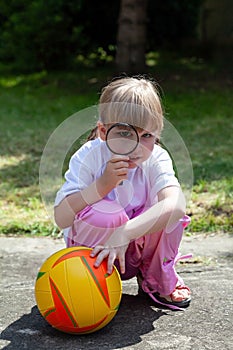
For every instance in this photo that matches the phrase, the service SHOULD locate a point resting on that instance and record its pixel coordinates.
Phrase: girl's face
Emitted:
(144, 149)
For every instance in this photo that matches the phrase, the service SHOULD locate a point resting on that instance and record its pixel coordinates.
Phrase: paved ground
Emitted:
(206, 324)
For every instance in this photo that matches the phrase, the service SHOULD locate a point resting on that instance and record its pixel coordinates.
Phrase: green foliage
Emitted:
(61, 34)
(39, 34)
(98, 57)
(29, 229)
(172, 22)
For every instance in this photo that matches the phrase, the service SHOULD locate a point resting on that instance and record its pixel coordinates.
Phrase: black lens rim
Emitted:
(122, 124)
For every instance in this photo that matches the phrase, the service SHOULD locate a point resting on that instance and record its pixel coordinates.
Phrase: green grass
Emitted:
(31, 107)
(201, 110)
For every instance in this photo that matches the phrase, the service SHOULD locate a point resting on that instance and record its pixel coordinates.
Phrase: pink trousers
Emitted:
(153, 255)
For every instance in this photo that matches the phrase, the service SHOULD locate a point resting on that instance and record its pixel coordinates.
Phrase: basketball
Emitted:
(74, 296)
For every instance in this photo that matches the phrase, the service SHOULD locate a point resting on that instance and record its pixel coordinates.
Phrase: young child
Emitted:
(129, 208)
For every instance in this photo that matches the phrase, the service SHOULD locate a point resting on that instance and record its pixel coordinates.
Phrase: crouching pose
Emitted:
(121, 196)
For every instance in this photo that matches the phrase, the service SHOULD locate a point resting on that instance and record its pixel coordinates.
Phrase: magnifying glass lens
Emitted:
(122, 138)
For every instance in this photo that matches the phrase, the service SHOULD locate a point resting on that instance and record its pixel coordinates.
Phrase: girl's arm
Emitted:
(116, 171)
(164, 214)
(65, 212)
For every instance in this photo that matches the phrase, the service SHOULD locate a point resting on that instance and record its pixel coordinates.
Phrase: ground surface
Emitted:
(206, 324)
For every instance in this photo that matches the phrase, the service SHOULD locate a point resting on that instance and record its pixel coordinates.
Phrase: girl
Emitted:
(128, 207)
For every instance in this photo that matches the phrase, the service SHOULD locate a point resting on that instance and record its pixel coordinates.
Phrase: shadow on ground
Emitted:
(28, 329)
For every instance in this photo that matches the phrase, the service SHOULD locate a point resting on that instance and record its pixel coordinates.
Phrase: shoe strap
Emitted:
(173, 307)
(182, 257)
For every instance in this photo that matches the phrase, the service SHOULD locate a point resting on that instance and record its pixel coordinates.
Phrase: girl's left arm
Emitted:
(162, 215)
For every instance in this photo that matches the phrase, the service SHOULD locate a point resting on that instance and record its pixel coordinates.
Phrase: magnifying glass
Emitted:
(122, 138)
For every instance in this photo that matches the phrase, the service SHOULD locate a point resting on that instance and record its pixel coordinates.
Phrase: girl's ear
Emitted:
(102, 130)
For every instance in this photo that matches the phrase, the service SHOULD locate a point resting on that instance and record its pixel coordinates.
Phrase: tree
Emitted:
(216, 29)
(59, 34)
(131, 36)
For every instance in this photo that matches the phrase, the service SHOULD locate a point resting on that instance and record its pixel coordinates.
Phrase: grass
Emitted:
(197, 101)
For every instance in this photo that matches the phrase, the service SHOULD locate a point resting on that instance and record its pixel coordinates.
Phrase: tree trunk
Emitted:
(131, 37)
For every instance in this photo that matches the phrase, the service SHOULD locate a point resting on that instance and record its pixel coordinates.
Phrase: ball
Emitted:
(74, 296)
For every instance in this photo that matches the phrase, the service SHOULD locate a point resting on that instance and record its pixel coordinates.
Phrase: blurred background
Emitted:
(56, 55)
(60, 34)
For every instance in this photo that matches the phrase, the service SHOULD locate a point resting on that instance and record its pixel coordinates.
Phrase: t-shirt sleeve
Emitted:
(162, 174)
(78, 176)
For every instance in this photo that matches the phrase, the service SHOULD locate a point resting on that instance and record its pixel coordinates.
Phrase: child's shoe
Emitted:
(179, 299)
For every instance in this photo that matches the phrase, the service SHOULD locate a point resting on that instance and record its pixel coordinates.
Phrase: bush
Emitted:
(55, 34)
(39, 34)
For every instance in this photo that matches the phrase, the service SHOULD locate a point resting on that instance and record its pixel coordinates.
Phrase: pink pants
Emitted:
(153, 256)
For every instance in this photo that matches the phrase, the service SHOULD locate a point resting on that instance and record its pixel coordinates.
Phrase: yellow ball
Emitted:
(73, 295)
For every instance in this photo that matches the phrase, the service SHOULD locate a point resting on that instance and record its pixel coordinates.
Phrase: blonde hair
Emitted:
(134, 101)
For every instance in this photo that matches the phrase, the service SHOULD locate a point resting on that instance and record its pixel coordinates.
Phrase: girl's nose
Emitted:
(138, 151)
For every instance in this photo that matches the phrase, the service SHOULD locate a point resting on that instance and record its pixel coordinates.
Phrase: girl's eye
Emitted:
(147, 135)
(125, 133)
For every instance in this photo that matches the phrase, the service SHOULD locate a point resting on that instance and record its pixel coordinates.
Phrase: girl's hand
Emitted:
(116, 171)
(114, 248)
(111, 254)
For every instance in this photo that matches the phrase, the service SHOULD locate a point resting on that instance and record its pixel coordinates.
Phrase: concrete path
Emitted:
(206, 324)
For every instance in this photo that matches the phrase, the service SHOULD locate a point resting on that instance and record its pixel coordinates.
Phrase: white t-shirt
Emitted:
(138, 191)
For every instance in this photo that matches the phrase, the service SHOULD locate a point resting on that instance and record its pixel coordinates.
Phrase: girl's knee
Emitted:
(179, 226)
(105, 213)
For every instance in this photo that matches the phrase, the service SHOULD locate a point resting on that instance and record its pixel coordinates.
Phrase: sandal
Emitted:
(180, 297)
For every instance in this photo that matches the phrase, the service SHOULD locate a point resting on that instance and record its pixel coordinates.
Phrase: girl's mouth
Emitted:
(134, 159)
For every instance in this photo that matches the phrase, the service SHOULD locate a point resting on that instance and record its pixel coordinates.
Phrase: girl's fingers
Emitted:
(116, 158)
(96, 250)
(103, 253)
(122, 262)
(101, 256)
(111, 259)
